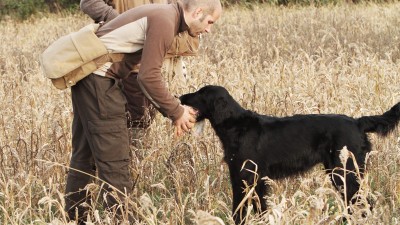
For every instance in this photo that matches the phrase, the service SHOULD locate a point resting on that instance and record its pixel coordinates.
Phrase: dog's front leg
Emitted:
(238, 209)
(245, 184)
(262, 190)
(238, 195)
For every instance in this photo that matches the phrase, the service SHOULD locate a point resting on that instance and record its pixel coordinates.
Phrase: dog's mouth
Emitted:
(199, 116)
(198, 128)
(197, 112)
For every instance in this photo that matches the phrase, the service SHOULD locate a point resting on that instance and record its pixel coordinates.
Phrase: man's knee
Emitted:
(87, 166)
(117, 175)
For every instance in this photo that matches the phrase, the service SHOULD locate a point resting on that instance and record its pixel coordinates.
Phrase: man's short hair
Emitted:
(209, 6)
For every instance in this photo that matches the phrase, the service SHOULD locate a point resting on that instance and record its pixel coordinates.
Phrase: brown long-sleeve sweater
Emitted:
(144, 34)
(98, 10)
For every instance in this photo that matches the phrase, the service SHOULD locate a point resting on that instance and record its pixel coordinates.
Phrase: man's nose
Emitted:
(208, 29)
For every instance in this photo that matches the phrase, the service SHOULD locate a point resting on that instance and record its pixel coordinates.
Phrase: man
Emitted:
(140, 112)
(99, 133)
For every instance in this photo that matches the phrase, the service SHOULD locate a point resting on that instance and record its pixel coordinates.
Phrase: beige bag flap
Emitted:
(71, 78)
(71, 52)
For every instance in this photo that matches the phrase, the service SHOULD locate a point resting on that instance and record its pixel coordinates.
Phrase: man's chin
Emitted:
(193, 34)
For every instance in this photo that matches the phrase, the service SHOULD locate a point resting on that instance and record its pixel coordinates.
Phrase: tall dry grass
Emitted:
(277, 61)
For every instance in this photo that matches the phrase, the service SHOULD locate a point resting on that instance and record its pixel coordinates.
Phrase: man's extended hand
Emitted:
(186, 121)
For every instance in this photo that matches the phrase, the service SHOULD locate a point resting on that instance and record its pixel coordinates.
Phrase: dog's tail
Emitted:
(381, 124)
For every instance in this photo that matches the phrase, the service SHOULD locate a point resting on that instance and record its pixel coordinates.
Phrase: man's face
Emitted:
(203, 23)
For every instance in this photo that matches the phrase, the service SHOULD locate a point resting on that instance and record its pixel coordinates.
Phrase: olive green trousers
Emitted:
(100, 143)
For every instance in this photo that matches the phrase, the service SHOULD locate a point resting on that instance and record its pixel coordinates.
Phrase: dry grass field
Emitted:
(277, 61)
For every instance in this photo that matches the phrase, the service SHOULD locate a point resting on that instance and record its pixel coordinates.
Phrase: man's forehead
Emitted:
(215, 16)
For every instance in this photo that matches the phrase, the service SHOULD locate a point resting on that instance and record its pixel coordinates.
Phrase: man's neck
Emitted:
(183, 23)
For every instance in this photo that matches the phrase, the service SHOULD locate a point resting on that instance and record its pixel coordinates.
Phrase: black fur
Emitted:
(285, 146)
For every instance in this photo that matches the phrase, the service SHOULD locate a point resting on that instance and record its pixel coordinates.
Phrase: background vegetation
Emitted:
(23, 9)
(274, 60)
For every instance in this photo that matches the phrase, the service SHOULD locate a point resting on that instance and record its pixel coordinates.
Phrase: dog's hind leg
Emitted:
(343, 168)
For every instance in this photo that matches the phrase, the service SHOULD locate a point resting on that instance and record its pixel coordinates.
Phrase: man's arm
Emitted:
(154, 88)
(98, 10)
(159, 36)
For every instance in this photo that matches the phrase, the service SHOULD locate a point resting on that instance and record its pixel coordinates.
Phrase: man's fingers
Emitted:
(192, 120)
(190, 125)
(186, 122)
(191, 110)
(185, 127)
(178, 131)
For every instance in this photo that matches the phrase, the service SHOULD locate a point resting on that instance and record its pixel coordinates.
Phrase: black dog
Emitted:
(285, 146)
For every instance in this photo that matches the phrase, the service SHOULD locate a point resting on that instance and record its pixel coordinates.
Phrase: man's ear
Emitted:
(197, 13)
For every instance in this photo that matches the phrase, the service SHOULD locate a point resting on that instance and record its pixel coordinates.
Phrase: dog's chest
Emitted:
(229, 158)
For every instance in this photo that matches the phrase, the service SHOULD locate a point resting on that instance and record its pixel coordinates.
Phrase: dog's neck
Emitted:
(226, 120)
(225, 112)
(230, 131)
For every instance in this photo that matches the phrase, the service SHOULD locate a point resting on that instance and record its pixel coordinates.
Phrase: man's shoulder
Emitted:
(152, 8)
(164, 16)
(158, 11)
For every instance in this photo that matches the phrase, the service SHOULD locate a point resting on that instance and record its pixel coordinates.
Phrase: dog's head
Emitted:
(210, 101)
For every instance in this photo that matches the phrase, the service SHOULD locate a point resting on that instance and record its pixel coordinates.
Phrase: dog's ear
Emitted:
(221, 110)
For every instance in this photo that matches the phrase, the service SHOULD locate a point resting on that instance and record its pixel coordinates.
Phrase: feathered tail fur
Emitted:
(381, 124)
